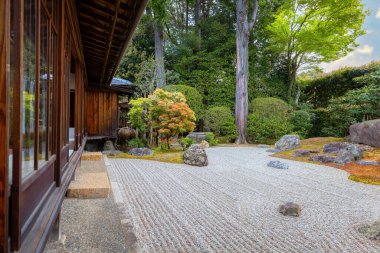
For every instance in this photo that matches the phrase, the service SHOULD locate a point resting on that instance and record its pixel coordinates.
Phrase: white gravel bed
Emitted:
(232, 205)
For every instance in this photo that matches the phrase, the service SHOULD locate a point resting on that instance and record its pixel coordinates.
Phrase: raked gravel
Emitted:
(232, 205)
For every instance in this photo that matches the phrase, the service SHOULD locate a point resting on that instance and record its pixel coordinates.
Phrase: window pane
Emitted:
(44, 79)
(28, 88)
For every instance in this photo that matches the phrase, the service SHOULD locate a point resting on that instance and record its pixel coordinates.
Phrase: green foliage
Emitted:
(186, 142)
(193, 97)
(269, 106)
(221, 122)
(269, 120)
(268, 130)
(139, 113)
(301, 120)
(210, 138)
(321, 90)
(137, 143)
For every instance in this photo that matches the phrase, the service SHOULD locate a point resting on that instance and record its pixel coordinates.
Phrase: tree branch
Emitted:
(254, 15)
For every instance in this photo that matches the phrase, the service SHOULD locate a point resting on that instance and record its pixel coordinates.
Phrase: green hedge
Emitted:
(220, 121)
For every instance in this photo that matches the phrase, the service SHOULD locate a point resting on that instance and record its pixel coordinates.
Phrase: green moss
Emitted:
(365, 179)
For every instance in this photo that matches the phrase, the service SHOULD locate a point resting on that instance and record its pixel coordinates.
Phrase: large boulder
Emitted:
(288, 142)
(367, 132)
(334, 147)
(140, 151)
(195, 156)
(344, 156)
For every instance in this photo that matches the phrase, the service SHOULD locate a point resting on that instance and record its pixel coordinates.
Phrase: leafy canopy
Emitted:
(317, 30)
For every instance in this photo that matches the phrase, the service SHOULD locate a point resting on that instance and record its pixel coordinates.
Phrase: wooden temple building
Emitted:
(57, 60)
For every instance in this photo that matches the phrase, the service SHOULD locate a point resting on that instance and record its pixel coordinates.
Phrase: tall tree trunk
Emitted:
(159, 53)
(197, 19)
(187, 16)
(243, 28)
(292, 73)
(297, 99)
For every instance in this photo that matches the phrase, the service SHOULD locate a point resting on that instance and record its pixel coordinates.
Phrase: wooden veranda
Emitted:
(57, 60)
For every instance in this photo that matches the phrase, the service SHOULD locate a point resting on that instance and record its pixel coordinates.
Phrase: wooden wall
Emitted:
(102, 113)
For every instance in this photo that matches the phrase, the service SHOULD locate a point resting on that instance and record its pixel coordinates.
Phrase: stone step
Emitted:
(91, 181)
(92, 156)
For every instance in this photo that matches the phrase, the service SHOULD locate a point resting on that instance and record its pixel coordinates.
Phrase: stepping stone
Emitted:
(92, 156)
(363, 162)
(278, 165)
(290, 209)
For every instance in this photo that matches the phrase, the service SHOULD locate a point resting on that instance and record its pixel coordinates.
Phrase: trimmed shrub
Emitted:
(220, 121)
(301, 120)
(193, 97)
(269, 106)
(136, 143)
(269, 120)
(267, 130)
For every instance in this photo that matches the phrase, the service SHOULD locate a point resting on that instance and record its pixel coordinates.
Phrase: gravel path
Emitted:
(232, 205)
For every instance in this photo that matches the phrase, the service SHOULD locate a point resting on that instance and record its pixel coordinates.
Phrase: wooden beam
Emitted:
(139, 12)
(117, 8)
(4, 120)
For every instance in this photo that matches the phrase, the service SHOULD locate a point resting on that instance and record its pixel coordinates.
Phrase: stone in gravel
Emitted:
(322, 158)
(278, 165)
(273, 150)
(372, 232)
(140, 151)
(344, 156)
(263, 146)
(205, 144)
(304, 153)
(288, 142)
(290, 209)
(334, 147)
(363, 162)
(195, 156)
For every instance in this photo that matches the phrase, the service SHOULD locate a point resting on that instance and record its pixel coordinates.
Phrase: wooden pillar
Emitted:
(4, 120)
(17, 81)
(58, 117)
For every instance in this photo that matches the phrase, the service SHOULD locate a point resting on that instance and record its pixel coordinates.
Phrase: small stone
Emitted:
(195, 156)
(363, 162)
(273, 150)
(372, 232)
(288, 142)
(140, 151)
(304, 153)
(263, 146)
(205, 144)
(278, 165)
(290, 209)
(322, 158)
